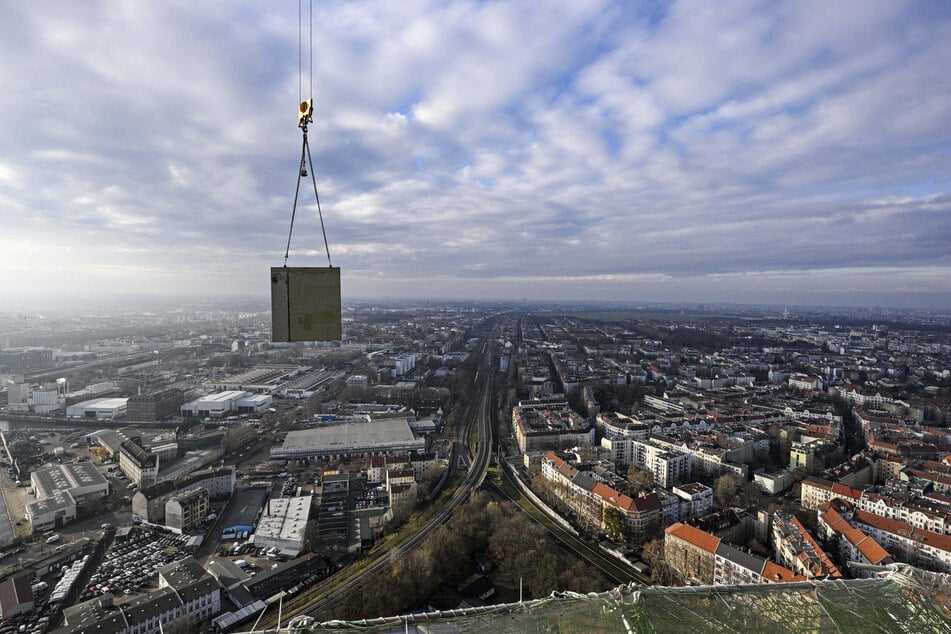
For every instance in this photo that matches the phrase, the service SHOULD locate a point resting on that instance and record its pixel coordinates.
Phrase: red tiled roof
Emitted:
(849, 492)
(700, 539)
(903, 529)
(774, 573)
(866, 545)
(616, 499)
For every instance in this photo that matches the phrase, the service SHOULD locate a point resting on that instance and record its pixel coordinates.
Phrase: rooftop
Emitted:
(374, 432)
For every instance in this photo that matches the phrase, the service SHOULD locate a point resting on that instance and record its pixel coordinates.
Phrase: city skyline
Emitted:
(740, 152)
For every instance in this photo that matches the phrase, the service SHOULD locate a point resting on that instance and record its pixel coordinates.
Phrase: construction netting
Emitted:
(903, 599)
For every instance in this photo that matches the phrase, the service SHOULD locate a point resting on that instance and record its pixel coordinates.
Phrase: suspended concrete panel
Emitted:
(305, 303)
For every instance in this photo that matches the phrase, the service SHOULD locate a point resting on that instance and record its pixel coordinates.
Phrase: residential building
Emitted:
(691, 552)
(702, 558)
(668, 467)
(813, 453)
(734, 526)
(184, 510)
(541, 425)
(401, 485)
(733, 566)
(817, 491)
(795, 548)
(849, 544)
(773, 481)
(697, 500)
(907, 543)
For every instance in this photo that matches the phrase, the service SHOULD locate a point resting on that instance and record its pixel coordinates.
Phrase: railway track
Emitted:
(325, 595)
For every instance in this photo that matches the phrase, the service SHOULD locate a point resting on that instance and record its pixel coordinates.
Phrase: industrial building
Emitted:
(81, 479)
(59, 490)
(155, 406)
(53, 511)
(242, 514)
(111, 440)
(262, 379)
(225, 403)
(99, 409)
(283, 523)
(374, 437)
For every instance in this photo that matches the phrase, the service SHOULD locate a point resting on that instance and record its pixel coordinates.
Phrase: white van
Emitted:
(52, 539)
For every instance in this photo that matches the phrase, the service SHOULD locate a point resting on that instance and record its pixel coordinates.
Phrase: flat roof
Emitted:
(67, 476)
(244, 508)
(385, 431)
(103, 403)
(57, 500)
(228, 395)
(284, 518)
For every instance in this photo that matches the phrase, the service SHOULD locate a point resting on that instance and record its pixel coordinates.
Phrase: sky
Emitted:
(732, 151)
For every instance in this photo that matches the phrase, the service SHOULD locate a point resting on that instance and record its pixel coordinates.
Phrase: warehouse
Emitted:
(81, 479)
(99, 409)
(50, 512)
(283, 523)
(375, 437)
(242, 513)
(225, 403)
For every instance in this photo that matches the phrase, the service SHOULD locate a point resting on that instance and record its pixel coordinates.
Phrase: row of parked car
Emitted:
(32, 622)
(132, 563)
(37, 620)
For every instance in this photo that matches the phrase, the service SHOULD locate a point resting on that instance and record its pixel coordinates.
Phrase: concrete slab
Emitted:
(305, 304)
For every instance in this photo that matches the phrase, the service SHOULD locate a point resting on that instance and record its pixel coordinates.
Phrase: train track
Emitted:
(612, 569)
(333, 589)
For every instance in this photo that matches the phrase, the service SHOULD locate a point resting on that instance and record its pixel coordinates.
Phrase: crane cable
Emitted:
(305, 118)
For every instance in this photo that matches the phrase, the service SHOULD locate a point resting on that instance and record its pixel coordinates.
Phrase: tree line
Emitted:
(482, 532)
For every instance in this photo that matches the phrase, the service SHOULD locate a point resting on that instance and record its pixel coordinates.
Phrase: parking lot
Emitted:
(132, 564)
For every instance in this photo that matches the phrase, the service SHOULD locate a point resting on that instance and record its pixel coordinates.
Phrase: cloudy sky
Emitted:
(794, 152)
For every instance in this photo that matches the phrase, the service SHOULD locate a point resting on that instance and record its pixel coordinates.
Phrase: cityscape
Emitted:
(590, 316)
(177, 467)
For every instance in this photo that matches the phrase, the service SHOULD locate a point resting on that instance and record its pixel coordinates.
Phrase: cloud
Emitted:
(573, 150)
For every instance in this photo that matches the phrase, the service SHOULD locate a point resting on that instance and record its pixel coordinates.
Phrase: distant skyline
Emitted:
(739, 152)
